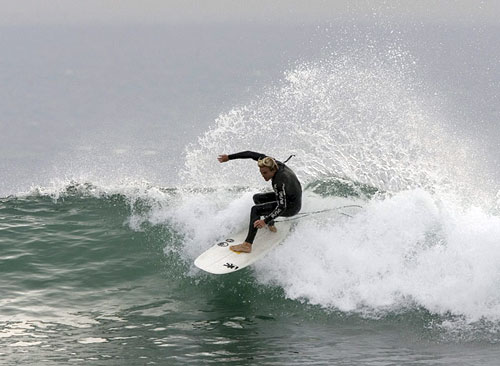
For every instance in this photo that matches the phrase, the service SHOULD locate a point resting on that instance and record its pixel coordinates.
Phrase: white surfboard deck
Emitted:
(219, 259)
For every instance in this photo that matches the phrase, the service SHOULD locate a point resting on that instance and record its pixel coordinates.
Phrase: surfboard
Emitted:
(219, 259)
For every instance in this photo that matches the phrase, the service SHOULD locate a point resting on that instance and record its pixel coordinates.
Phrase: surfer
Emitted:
(286, 200)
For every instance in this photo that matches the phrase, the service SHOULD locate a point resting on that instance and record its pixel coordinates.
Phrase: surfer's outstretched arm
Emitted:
(241, 155)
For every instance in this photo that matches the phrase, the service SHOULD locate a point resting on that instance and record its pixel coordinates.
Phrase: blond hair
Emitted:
(267, 162)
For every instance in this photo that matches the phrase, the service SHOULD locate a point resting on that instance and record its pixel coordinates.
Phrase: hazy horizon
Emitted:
(33, 12)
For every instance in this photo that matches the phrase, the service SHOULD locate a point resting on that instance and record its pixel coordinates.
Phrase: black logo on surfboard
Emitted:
(231, 266)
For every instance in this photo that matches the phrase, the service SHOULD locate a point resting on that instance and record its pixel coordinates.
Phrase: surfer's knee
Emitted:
(253, 211)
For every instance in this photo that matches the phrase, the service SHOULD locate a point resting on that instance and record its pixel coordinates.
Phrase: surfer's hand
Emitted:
(259, 224)
(223, 158)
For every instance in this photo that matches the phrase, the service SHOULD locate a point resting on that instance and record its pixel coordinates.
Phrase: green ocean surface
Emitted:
(82, 285)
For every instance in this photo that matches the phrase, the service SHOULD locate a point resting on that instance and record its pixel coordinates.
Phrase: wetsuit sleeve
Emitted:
(247, 155)
(282, 203)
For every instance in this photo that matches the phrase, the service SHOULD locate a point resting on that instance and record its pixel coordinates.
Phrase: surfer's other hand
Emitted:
(259, 224)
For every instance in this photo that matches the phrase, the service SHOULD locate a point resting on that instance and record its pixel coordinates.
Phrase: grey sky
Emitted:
(34, 12)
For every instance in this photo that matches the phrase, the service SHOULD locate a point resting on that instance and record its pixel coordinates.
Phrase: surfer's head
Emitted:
(268, 167)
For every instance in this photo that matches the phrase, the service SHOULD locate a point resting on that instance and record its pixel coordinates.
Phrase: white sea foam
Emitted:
(410, 249)
(404, 250)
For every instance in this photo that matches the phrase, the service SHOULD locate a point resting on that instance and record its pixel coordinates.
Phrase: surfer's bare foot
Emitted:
(241, 248)
(272, 228)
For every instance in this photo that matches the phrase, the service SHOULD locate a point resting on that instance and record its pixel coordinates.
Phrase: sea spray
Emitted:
(357, 115)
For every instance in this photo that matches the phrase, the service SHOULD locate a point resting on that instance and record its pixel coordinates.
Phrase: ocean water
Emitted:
(110, 188)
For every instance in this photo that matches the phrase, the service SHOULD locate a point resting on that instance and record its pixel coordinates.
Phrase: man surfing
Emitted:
(286, 200)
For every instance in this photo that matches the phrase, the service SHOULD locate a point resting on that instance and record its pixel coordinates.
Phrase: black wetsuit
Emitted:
(286, 200)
